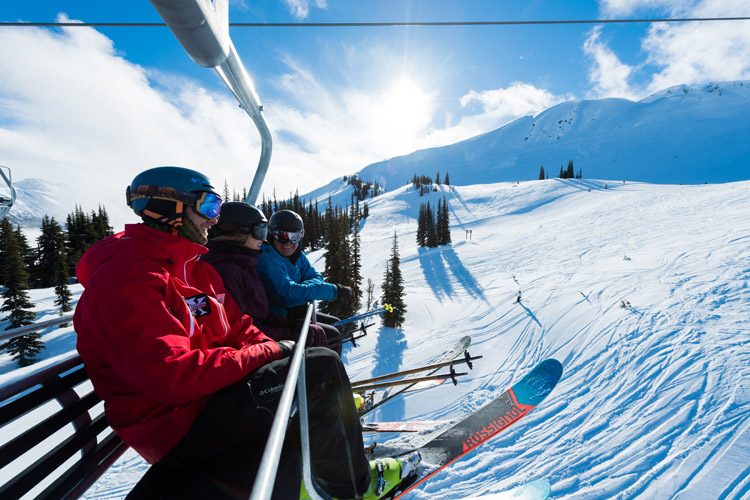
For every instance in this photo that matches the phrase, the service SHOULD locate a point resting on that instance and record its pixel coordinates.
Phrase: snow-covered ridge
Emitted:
(681, 135)
(740, 89)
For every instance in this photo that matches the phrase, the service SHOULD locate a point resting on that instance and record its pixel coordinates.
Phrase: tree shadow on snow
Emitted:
(389, 357)
(462, 274)
(431, 262)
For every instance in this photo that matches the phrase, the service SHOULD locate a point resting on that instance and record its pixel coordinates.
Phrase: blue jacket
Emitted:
(290, 285)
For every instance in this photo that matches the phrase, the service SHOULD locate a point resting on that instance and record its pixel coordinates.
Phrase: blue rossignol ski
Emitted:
(483, 424)
(535, 490)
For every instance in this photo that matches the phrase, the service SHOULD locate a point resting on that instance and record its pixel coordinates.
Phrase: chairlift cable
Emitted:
(407, 24)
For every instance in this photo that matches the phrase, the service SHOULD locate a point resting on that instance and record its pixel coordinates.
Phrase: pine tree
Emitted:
(569, 173)
(437, 178)
(356, 267)
(226, 191)
(443, 223)
(16, 298)
(6, 232)
(50, 248)
(80, 236)
(339, 266)
(100, 223)
(421, 226)
(393, 289)
(446, 181)
(541, 173)
(431, 230)
(52, 243)
(28, 254)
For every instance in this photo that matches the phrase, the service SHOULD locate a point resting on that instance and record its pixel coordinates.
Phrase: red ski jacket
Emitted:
(158, 335)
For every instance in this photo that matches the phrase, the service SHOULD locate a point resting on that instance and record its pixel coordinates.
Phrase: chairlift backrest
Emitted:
(7, 202)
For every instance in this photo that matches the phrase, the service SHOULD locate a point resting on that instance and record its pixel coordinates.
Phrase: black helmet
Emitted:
(240, 218)
(160, 194)
(286, 225)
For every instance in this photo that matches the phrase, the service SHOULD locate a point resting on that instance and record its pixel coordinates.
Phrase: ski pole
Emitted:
(466, 359)
(382, 385)
(364, 315)
(348, 337)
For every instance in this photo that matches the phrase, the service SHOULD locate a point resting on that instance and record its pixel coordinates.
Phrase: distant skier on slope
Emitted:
(288, 276)
(518, 297)
(234, 245)
(188, 381)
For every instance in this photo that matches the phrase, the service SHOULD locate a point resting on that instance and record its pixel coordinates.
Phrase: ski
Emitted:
(485, 423)
(535, 490)
(420, 386)
(405, 426)
(375, 399)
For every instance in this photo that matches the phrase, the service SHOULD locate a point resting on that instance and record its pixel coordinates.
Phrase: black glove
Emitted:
(287, 348)
(345, 294)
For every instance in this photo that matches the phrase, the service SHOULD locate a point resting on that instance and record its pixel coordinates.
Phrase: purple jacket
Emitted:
(236, 266)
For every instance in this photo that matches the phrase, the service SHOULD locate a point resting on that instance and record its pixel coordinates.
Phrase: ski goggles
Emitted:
(207, 204)
(260, 231)
(292, 237)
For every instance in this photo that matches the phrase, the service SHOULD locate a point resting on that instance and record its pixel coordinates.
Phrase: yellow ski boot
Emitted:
(386, 474)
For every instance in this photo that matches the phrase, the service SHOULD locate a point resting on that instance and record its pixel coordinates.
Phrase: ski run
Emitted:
(639, 290)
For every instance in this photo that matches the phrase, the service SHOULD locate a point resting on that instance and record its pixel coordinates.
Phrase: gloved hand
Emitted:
(287, 348)
(316, 336)
(345, 294)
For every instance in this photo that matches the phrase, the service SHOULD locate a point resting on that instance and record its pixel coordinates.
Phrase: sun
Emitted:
(407, 106)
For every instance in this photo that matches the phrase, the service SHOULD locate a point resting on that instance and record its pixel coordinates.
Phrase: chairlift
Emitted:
(7, 203)
(202, 28)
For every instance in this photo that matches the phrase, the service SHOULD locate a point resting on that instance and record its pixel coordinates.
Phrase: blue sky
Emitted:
(76, 102)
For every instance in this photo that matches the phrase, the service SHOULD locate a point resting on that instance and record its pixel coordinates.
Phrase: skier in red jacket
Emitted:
(186, 378)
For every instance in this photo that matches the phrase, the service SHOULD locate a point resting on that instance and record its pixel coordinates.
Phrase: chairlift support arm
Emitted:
(202, 28)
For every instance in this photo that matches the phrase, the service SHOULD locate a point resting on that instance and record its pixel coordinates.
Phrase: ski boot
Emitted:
(387, 476)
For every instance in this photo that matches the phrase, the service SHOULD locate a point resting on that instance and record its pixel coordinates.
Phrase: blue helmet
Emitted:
(161, 193)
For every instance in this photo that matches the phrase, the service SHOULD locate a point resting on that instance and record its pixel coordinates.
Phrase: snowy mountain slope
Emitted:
(36, 198)
(655, 398)
(681, 135)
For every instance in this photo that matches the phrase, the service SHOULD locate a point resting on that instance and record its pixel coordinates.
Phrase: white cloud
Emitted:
(519, 99)
(698, 52)
(74, 112)
(688, 53)
(301, 8)
(607, 73)
(618, 8)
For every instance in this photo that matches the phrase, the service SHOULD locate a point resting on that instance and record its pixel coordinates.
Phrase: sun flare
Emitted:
(407, 106)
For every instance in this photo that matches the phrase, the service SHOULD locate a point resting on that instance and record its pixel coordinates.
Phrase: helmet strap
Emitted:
(167, 223)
